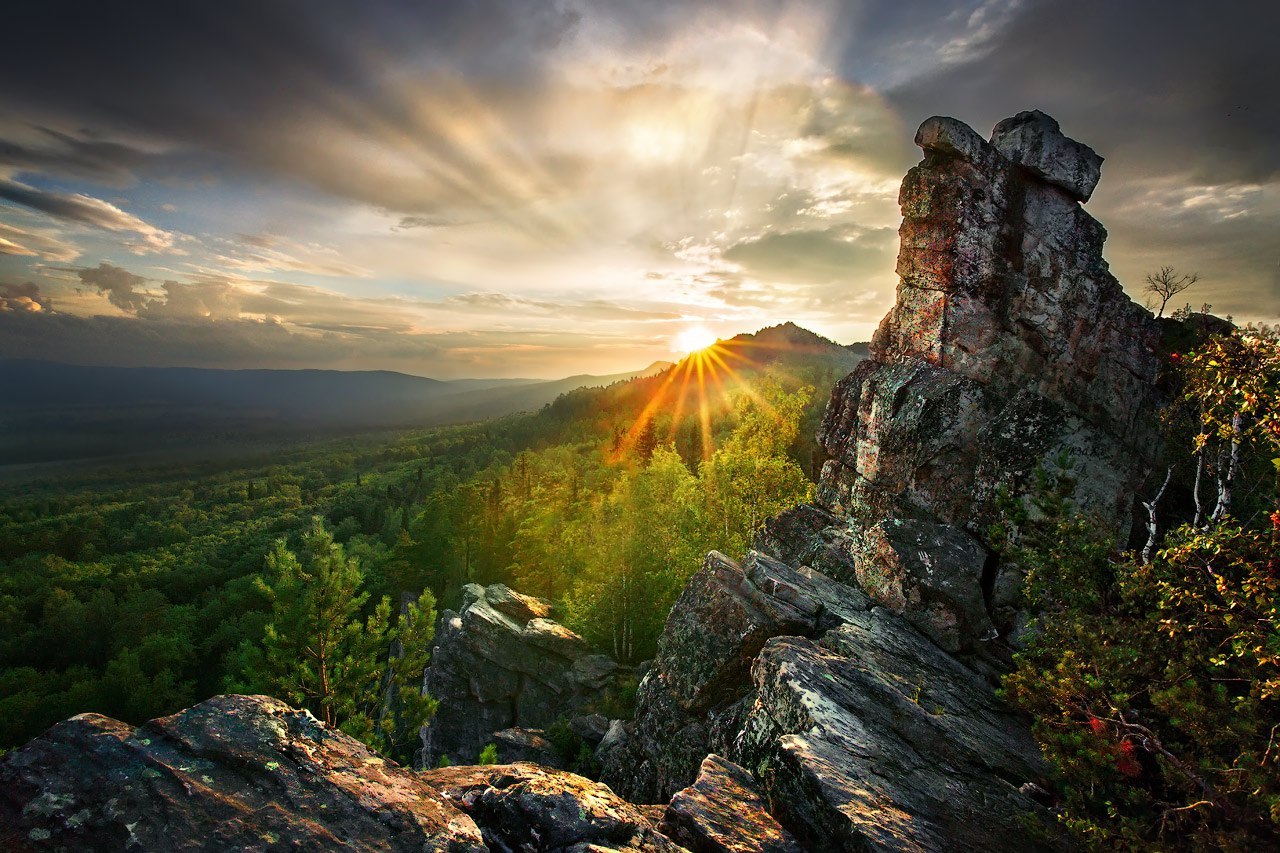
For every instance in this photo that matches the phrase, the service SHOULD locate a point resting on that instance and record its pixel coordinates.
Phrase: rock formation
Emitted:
(250, 773)
(830, 692)
(848, 661)
(232, 773)
(502, 664)
(1010, 345)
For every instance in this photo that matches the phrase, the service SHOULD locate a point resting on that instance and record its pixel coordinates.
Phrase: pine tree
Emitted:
(319, 653)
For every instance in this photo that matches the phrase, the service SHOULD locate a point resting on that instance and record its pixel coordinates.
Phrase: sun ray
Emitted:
(704, 414)
(680, 399)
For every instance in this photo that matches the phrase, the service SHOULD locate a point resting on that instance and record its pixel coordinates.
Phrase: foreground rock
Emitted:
(866, 733)
(527, 807)
(232, 773)
(723, 812)
(871, 739)
(695, 696)
(502, 663)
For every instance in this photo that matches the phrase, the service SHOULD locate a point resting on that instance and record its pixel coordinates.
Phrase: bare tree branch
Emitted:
(1167, 284)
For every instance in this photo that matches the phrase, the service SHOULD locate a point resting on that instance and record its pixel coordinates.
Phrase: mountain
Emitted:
(52, 412)
(495, 402)
(55, 412)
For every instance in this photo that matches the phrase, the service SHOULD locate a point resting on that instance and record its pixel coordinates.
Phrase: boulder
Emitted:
(530, 745)
(695, 697)
(873, 738)
(527, 807)
(590, 728)
(503, 663)
(1035, 141)
(232, 773)
(933, 574)
(723, 812)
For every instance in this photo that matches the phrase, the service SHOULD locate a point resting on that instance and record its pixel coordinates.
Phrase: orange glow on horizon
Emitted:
(697, 384)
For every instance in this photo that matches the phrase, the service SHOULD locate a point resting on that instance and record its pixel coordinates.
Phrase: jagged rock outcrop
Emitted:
(864, 732)
(250, 773)
(873, 624)
(232, 773)
(696, 695)
(502, 663)
(1010, 343)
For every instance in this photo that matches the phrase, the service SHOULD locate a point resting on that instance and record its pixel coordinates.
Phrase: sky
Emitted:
(528, 188)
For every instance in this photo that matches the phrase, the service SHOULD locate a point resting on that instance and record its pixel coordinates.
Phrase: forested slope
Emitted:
(134, 594)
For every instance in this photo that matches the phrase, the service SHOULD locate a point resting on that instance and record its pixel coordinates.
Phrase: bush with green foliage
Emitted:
(1155, 687)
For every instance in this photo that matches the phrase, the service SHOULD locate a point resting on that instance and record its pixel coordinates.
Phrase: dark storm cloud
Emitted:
(229, 76)
(1183, 86)
(99, 160)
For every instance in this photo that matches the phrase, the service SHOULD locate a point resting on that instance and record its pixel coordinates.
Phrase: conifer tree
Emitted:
(320, 651)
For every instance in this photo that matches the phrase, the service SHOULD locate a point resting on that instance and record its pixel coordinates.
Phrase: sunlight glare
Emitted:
(693, 339)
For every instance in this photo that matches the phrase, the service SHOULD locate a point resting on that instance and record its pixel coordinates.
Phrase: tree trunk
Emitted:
(1152, 520)
(1227, 479)
(1195, 491)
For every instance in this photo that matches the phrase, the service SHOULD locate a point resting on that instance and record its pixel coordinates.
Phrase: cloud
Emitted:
(599, 168)
(122, 288)
(269, 253)
(245, 343)
(53, 152)
(840, 255)
(36, 243)
(23, 298)
(77, 207)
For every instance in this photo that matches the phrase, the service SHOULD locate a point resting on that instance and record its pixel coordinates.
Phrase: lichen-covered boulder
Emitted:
(501, 663)
(872, 738)
(933, 574)
(527, 807)
(232, 773)
(723, 812)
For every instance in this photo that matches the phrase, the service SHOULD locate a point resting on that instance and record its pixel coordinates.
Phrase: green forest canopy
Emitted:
(135, 597)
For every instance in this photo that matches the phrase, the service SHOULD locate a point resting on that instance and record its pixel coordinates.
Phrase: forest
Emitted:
(135, 594)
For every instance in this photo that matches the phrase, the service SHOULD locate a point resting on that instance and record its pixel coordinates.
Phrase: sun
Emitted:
(693, 339)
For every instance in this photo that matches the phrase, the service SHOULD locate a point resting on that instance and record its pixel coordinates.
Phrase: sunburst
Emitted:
(693, 339)
(702, 381)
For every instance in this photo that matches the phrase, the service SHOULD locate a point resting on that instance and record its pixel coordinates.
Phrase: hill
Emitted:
(52, 412)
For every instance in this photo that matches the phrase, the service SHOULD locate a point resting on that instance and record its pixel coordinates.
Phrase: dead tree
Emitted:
(1167, 284)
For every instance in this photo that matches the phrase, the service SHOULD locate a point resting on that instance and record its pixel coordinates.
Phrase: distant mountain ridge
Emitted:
(52, 412)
